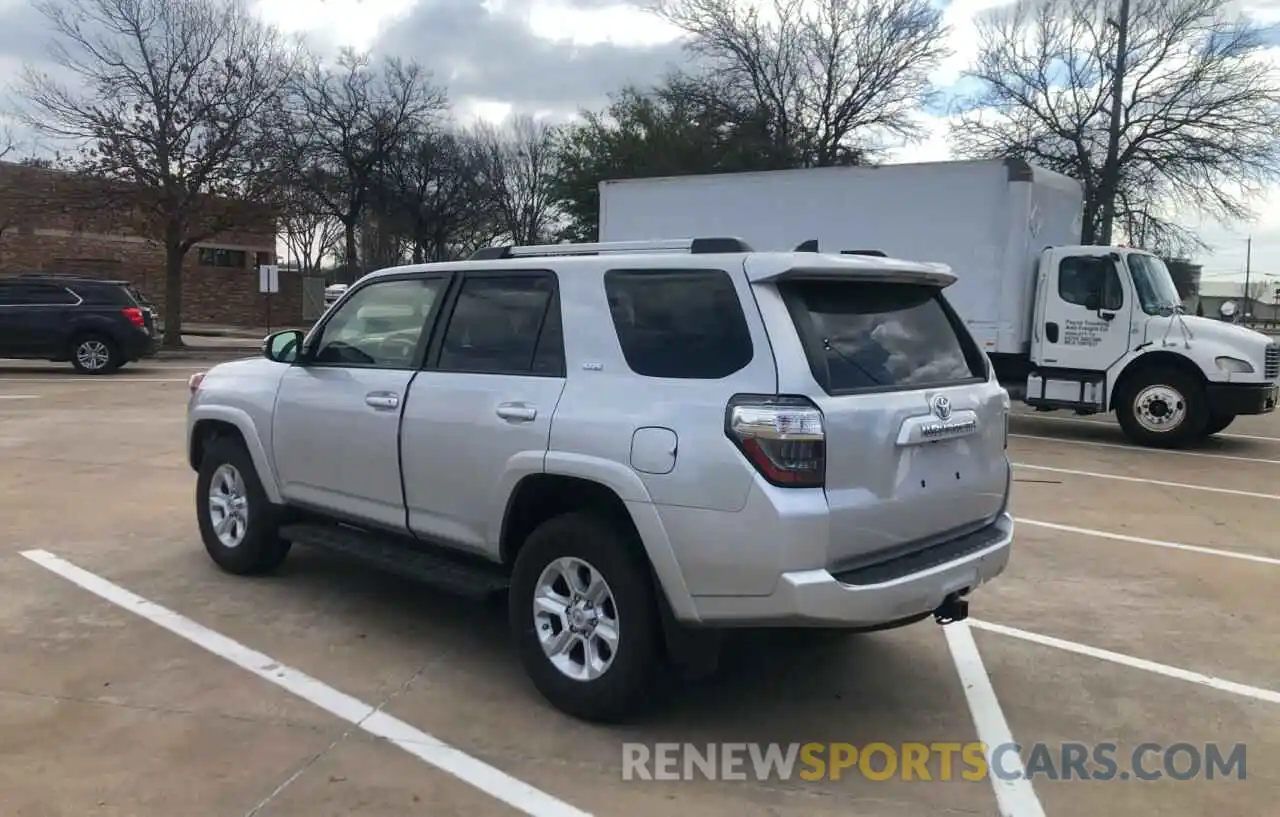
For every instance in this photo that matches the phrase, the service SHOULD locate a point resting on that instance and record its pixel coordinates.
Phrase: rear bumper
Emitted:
(1234, 399)
(903, 589)
(137, 345)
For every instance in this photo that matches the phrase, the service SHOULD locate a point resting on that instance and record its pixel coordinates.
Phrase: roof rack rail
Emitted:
(876, 253)
(695, 246)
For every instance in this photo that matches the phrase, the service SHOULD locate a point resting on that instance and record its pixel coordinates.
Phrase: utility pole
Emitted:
(1248, 300)
(1111, 174)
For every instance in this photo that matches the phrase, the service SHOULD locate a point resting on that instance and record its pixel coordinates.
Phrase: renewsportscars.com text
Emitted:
(931, 761)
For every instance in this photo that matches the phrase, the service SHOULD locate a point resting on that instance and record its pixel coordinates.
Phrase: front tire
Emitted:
(1163, 408)
(1218, 423)
(585, 619)
(95, 354)
(238, 524)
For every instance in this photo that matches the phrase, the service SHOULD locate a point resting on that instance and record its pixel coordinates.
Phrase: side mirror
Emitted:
(1093, 301)
(283, 347)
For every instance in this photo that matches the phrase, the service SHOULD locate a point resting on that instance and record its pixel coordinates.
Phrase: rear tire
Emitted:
(239, 526)
(1163, 408)
(609, 669)
(95, 354)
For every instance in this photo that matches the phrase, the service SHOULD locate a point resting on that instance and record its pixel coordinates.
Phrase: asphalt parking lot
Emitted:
(1142, 606)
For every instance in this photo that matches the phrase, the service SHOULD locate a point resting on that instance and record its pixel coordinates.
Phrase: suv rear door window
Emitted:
(873, 336)
(504, 325)
(679, 323)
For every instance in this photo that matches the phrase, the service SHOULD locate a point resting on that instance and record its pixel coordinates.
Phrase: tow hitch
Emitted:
(952, 609)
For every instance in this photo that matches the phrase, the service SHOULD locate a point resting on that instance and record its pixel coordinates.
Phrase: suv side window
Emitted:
(380, 326)
(28, 294)
(505, 325)
(679, 323)
(1079, 276)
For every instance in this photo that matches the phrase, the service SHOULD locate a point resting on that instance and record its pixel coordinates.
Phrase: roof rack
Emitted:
(812, 246)
(695, 246)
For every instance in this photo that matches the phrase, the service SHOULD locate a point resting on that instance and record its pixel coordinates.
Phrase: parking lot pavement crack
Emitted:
(311, 761)
(158, 710)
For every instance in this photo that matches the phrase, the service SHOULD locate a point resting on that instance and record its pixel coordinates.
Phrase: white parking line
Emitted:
(1160, 543)
(1016, 797)
(1257, 693)
(1087, 421)
(1140, 450)
(19, 396)
(1188, 486)
(425, 747)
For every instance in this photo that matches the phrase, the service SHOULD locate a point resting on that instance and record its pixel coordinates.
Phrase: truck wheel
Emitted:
(1219, 422)
(238, 524)
(1163, 408)
(585, 619)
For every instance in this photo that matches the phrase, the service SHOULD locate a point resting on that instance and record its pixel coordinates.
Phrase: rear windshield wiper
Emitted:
(828, 346)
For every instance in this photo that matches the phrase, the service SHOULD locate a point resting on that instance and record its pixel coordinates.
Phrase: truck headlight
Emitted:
(1234, 365)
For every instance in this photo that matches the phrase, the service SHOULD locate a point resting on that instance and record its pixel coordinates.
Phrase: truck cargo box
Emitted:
(988, 220)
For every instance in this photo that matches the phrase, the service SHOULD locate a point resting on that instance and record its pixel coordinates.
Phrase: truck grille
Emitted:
(1271, 364)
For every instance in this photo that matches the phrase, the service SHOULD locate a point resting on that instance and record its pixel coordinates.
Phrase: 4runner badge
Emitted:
(942, 407)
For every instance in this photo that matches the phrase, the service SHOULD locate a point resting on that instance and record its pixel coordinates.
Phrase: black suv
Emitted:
(96, 325)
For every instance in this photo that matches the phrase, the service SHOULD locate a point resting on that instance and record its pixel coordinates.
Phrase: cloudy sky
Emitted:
(555, 56)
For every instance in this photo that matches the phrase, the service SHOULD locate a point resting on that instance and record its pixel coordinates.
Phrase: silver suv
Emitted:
(639, 444)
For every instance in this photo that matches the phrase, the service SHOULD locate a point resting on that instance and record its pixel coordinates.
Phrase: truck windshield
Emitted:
(1154, 284)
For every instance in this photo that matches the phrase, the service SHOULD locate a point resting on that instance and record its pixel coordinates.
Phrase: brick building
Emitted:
(50, 221)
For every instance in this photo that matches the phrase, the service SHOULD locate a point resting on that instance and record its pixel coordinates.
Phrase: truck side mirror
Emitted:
(1093, 301)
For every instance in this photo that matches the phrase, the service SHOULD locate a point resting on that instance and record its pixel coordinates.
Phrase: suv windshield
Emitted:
(863, 335)
(1154, 284)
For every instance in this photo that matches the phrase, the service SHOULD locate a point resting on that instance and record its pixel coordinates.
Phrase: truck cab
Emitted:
(1109, 333)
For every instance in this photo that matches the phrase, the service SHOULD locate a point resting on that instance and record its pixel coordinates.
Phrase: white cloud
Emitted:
(620, 24)
(960, 16)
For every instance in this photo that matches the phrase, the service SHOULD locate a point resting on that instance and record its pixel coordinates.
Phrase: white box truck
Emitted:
(1089, 329)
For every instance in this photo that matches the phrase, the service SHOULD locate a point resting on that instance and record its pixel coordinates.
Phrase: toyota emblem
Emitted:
(942, 406)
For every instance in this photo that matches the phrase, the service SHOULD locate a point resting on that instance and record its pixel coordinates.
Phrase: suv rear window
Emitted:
(874, 336)
(679, 323)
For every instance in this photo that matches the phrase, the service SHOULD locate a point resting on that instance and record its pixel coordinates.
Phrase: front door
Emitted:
(1084, 315)
(336, 428)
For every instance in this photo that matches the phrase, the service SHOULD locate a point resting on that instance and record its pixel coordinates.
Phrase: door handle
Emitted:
(519, 412)
(382, 399)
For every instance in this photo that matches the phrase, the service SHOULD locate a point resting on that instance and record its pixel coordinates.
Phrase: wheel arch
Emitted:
(615, 491)
(227, 422)
(1151, 361)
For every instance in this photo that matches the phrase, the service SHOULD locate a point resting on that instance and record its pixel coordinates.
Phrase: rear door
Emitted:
(479, 416)
(914, 426)
(34, 317)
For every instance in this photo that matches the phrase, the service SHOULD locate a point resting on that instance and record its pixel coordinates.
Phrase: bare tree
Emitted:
(836, 78)
(173, 106)
(432, 191)
(1198, 120)
(517, 164)
(347, 121)
(309, 233)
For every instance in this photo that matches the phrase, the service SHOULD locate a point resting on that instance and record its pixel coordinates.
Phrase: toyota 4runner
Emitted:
(638, 444)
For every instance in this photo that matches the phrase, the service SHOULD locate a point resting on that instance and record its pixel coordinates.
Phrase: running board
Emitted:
(457, 575)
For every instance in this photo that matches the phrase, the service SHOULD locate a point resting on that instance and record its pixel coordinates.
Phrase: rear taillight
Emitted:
(782, 436)
(134, 315)
(193, 382)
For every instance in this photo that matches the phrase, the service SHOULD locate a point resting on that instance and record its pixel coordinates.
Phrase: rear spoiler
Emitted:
(920, 274)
